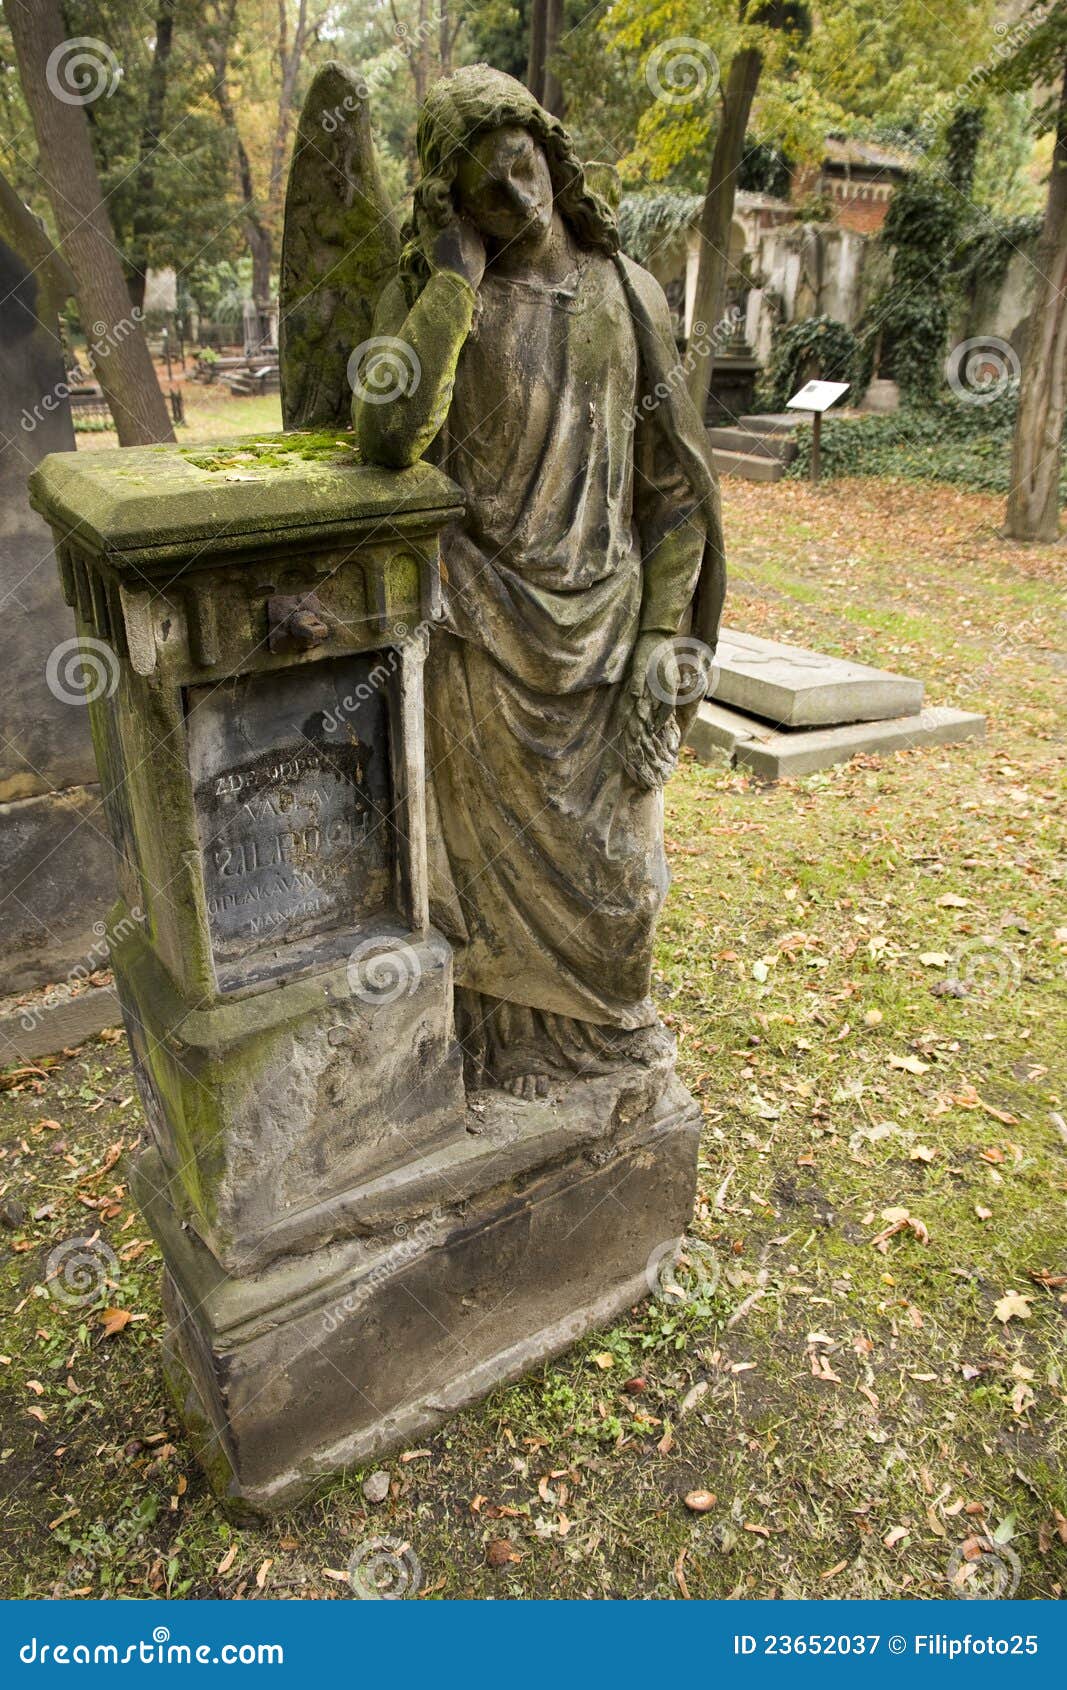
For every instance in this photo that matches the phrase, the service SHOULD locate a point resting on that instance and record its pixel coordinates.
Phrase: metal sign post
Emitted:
(817, 397)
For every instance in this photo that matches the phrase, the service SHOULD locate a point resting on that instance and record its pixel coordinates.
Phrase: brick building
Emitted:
(858, 178)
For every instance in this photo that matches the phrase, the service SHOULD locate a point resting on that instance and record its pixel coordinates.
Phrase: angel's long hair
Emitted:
(457, 110)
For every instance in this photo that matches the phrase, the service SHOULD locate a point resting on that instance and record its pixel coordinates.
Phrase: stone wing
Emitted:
(340, 246)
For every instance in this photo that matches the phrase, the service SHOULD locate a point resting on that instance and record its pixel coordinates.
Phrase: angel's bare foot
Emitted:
(527, 1086)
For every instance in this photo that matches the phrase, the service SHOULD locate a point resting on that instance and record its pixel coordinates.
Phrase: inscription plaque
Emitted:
(291, 773)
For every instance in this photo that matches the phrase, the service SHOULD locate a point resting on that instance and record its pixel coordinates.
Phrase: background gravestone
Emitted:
(55, 857)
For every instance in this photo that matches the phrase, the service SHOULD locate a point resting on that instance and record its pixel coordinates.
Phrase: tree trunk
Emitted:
(290, 59)
(535, 61)
(1033, 501)
(420, 58)
(717, 215)
(141, 222)
(68, 174)
(257, 232)
(546, 27)
(552, 97)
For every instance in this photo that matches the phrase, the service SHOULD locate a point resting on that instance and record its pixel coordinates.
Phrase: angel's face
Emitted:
(504, 186)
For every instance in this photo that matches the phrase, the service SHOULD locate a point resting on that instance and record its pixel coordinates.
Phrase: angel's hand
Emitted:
(654, 672)
(459, 247)
(651, 737)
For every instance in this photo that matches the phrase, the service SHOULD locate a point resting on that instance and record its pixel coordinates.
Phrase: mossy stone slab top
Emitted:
(142, 503)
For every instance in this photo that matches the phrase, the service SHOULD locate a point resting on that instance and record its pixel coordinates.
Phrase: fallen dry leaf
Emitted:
(113, 1320)
(1012, 1306)
(227, 1560)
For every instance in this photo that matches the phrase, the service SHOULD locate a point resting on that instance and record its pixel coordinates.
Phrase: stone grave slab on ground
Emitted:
(797, 688)
(783, 710)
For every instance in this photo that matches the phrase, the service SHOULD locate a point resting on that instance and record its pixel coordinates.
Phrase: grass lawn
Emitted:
(865, 970)
(211, 413)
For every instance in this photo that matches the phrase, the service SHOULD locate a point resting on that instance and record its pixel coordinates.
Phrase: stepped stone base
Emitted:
(774, 755)
(548, 1220)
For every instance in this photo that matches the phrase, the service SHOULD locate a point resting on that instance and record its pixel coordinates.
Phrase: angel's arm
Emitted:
(397, 430)
(671, 524)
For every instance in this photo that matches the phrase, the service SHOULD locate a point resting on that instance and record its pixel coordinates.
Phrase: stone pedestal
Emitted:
(354, 1246)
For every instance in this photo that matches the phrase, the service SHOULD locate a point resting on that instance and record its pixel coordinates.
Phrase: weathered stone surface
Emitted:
(57, 879)
(151, 505)
(55, 1021)
(716, 729)
(793, 687)
(776, 756)
(337, 250)
(802, 753)
(269, 1109)
(335, 1359)
(51, 892)
(293, 801)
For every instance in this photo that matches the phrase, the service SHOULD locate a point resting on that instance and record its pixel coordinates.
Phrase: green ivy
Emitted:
(647, 221)
(819, 346)
(967, 445)
(907, 321)
(986, 250)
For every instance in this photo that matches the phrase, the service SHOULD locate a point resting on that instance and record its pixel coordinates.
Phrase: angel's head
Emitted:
(490, 152)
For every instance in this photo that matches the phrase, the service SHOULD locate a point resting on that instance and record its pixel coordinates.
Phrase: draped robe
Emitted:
(547, 867)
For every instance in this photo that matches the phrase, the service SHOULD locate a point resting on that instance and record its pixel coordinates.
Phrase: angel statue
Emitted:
(518, 348)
